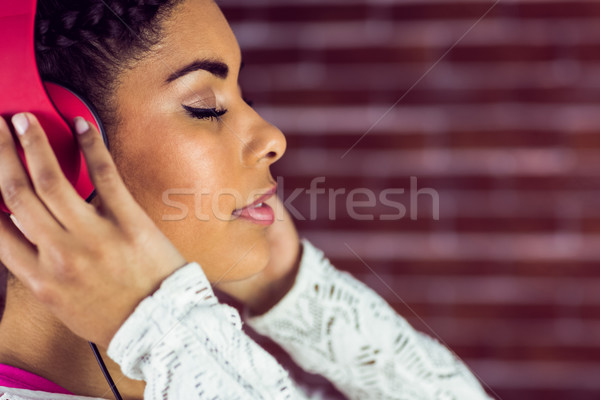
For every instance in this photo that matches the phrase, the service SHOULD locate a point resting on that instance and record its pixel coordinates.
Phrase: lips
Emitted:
(257, 211)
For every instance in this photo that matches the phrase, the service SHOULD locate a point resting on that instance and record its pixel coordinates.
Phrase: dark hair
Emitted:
(84, 44)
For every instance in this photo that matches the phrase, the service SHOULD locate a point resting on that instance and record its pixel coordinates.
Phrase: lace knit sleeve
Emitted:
(187, 345)
(333, 325)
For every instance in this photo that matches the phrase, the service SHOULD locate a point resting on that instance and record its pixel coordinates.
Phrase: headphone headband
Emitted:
(11, 8)
(21, 88)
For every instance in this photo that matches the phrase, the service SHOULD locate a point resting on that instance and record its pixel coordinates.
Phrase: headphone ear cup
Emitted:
(70, 105)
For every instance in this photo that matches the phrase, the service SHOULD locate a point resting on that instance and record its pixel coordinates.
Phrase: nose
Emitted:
(265, 143)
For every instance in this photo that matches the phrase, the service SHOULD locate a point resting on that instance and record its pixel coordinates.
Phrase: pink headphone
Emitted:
(22, 89)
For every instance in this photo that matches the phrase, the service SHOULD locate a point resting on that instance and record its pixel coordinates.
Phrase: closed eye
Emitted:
(205, 113)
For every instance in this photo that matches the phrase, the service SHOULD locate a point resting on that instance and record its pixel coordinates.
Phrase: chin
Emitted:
(238, 265)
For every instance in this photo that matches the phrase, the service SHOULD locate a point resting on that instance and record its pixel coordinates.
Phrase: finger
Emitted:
(49, 182)
(16, 252)
(113, 194)
(17, 193)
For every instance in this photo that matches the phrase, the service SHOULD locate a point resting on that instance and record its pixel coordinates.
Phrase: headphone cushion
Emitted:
(71, 105)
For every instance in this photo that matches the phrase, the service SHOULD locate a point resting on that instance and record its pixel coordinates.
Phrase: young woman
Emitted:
(123, 273)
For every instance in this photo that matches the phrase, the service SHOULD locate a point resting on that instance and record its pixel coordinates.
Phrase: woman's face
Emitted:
(190, 173)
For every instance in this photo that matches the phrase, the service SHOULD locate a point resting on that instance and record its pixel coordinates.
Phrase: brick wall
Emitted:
(503, 126)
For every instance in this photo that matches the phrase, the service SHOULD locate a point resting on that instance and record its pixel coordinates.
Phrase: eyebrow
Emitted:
(215, 67)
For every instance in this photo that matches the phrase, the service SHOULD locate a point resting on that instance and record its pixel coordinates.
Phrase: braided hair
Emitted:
(84, 44)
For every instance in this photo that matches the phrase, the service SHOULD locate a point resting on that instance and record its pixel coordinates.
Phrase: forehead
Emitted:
(196, 29)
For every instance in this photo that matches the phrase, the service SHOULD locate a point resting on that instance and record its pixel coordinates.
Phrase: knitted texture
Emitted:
(335, 326)
(187, 345)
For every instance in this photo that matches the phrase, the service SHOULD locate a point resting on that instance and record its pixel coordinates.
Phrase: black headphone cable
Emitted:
(107, 376)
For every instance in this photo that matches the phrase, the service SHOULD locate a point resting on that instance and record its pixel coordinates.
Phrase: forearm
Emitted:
(186, 345)
(335, 326)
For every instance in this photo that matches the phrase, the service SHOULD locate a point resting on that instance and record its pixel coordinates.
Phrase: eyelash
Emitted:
(210, 113)
(205, 113)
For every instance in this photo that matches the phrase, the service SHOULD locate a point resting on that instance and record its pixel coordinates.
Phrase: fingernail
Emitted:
(81, 125)
(20, 122)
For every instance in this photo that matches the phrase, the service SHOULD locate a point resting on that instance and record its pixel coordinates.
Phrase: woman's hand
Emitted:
(90, 266)
(263, 290)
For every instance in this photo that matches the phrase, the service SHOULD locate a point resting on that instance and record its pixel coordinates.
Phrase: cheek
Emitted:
(190, 188)
(235, 255)
(226, 249)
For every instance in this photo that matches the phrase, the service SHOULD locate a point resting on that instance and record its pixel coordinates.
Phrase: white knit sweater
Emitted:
(187, 345)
